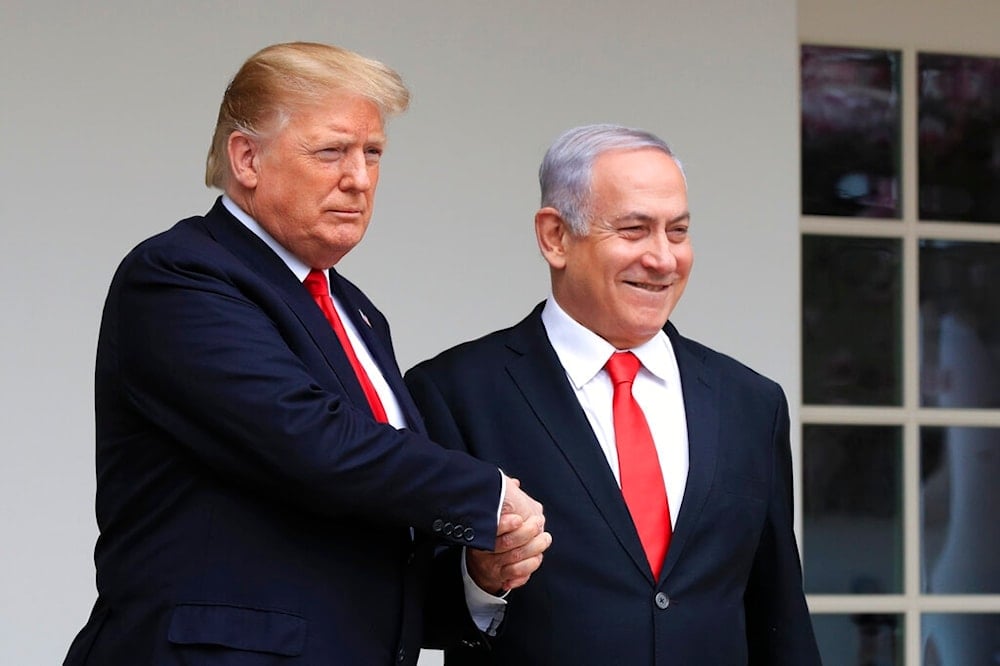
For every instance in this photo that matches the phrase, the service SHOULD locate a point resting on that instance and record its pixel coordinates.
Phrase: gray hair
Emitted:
(566, 171)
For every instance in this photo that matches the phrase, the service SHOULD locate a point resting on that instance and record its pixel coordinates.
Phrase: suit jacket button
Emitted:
(437, 525)
(662, 601)
(401, 657)
(469, 534)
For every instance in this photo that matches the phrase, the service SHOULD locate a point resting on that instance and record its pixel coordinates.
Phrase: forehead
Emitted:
(338, 114)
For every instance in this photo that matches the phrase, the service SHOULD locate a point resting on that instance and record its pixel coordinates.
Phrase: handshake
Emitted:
(521, 540)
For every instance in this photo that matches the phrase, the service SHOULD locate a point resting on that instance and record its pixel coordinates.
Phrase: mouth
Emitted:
(346, 212)
(648, 286)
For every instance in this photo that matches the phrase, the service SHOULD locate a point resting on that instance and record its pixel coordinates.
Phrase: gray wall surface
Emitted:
(105, 120)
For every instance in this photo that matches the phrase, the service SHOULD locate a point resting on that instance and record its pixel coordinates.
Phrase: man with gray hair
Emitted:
(265, 491)
(664, 466)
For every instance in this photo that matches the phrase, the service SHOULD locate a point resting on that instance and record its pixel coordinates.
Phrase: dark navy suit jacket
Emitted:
(730, 592)
(251, 510)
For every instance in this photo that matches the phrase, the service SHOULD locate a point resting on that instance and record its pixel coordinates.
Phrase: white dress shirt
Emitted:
(657, 389)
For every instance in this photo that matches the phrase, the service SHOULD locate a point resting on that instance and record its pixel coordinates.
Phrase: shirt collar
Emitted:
(583, 353)
(296, 265)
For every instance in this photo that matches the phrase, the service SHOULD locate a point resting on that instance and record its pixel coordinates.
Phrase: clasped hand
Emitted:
(521, 540)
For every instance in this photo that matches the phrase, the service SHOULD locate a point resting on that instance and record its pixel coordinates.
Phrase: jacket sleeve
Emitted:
(448, 624)
(779, 629)
(207, 354)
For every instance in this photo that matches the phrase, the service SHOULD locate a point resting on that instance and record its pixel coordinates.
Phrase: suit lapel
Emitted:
(701, 406)
(379, 347)
(242, 242)
(541, 379)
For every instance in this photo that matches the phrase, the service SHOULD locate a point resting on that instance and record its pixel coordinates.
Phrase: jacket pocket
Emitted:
(238, 627)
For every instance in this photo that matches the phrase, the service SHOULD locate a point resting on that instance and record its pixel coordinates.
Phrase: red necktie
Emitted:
(639, 467)
(318, 287)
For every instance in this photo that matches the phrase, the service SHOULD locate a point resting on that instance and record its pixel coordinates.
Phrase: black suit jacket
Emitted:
(730, 591)
(251, 510)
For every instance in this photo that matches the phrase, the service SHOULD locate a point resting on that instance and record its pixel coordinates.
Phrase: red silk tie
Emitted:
(318, 287)
(639, 467)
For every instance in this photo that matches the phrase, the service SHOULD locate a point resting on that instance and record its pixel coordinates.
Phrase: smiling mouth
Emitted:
(646, 286)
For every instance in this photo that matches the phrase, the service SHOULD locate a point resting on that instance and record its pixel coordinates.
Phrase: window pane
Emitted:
(852, 517)
(960, 324)
(960, 639)
(960, 494)
(850, 132)
(851, 320)
(862, 639)
(959, 138)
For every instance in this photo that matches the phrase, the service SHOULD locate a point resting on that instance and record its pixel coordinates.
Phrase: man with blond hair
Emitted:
(265, 492)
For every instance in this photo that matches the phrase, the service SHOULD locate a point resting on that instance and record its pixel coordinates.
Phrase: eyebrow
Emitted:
(639, 216)
(335, 133)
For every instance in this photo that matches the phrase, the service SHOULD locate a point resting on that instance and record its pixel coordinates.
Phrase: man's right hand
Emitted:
(521, 540)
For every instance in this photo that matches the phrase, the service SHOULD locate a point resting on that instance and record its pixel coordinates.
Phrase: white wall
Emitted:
(107, 109)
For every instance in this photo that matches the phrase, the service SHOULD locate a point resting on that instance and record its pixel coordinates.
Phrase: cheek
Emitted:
(686, 262)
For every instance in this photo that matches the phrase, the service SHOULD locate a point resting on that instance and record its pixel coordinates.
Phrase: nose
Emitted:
(355, 176)
(659, 255)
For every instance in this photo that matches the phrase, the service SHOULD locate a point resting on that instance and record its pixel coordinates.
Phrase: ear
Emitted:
(552, 233)
(243, 152)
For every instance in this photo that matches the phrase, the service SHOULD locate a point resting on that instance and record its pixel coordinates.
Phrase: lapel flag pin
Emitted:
(365, 317)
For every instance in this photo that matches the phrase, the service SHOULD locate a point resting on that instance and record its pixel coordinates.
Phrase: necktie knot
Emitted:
(622, 367)
(317, 285)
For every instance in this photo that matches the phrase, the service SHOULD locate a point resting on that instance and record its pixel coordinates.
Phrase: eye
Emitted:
(632, 231)
(678, 234)
(373, 154)
(330, 153)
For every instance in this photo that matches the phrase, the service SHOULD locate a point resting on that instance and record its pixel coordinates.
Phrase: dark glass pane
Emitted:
(960, 324)
(959, 498)
(861, 639)
(959, 138)
(851, 320)
(960, 639)
(850, 132)
(852, 515)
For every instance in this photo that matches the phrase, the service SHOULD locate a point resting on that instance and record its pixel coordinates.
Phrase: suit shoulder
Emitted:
(479, 354)
(484, 346)
(187, 252)
(187, 236)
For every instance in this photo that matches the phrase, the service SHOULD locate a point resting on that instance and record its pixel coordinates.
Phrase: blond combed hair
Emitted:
(279, 78)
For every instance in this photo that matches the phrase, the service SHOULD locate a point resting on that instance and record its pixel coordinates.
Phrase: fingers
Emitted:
(521, 532)
(509, 522)
(519, 502)
(521, 540)
(524, 561)
(519, 554)
(496, 572)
